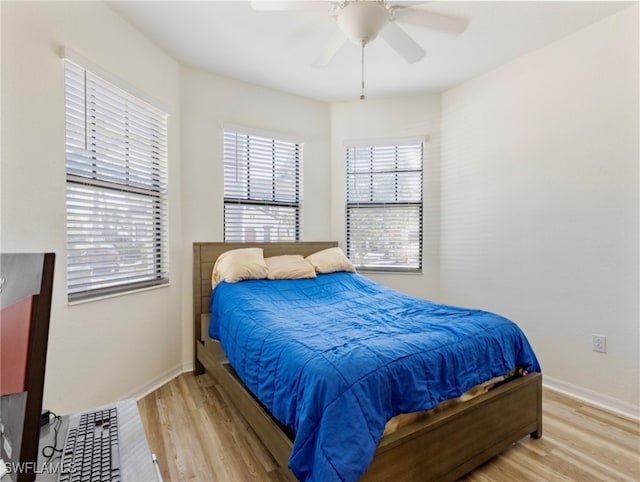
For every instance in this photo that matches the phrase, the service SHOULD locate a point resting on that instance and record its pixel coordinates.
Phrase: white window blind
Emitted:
(384, 206)
(116, 151)
(262, 188)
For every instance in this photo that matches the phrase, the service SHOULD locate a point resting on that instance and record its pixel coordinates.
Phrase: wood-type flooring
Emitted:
(198, 435)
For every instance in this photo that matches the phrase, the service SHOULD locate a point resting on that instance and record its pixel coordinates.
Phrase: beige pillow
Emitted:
(239, 264)
(289, 266)
(330, 260)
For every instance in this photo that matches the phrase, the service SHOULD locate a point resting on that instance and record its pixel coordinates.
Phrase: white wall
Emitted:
(208, 101)
(540, 204)
(102, 350)
(392, 118)
(531, 194)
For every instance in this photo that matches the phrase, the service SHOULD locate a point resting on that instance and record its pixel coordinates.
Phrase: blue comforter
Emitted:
(335, 357)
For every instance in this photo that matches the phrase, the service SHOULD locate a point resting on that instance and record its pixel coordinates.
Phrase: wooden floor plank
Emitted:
(198, 435)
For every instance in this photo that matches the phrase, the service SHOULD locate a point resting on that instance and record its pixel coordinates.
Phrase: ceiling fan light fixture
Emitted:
(362, 21)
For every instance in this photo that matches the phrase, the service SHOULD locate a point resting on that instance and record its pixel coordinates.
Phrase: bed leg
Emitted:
(537, 433)
(198, 368)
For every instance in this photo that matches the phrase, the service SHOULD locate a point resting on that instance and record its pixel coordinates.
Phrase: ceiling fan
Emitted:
(361, 21)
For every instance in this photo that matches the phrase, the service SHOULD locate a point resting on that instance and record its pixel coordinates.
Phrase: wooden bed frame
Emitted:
(442, 447)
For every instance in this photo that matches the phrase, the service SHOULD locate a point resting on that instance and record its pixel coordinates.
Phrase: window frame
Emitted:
(352, 205)
(278, 142)
(109, 178)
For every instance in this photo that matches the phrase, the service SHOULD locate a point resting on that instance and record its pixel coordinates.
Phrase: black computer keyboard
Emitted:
(91, 450)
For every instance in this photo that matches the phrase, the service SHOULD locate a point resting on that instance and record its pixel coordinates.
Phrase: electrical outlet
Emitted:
(600, 343)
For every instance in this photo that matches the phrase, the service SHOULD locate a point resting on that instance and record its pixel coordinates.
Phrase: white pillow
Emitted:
(289, 266)
(239, 264)
(330, 260)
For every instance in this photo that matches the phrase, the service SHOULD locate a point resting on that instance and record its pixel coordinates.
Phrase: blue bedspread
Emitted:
(335, 357)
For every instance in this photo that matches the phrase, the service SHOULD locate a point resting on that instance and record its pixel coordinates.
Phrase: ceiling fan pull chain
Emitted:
(362, 73)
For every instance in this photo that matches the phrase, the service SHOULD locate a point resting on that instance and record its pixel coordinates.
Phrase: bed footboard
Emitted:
(451, 443)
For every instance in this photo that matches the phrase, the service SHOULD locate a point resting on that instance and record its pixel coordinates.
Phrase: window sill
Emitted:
(115, 295)
(389, 271)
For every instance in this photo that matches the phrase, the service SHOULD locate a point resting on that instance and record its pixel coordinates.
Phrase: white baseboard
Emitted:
(187, 367)
(619, 407)
(154, 384)
(164, 378)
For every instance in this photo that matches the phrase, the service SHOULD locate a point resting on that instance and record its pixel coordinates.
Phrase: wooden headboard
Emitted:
(204, 257)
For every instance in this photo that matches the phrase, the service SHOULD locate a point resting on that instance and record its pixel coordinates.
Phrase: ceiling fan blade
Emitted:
(434, 21)
(399, 41)
(337, 40)
(279, 6)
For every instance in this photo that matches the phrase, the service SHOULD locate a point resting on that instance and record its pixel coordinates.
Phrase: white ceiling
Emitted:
(277, 49)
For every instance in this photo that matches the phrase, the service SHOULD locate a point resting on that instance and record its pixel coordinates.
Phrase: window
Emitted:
(116, 191)
(384, 206)
(262, 187)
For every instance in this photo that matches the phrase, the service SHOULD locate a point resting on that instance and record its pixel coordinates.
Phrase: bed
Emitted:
(442, 446)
